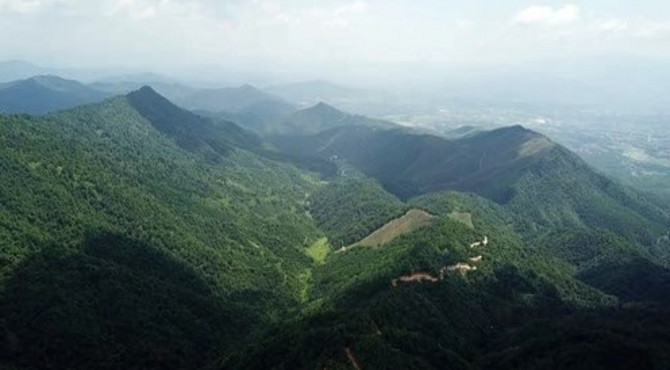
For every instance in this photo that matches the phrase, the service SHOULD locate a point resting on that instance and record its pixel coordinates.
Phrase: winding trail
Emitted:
(462, 267)
(418, 277)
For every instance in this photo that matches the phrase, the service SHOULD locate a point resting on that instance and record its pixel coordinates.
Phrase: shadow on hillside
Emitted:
(116, 303)
(513, 320)
(632, 280)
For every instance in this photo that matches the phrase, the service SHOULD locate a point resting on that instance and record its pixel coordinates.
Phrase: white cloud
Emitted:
(356, 7)
(649, 29)
(20, 6)
(548, 16)
(169, 9)
(612, 25)
(327, 17)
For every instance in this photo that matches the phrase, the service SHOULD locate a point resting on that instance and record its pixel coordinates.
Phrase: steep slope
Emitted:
(120, 249)
(410, 164)
(520, 307)
(43, 94)
(543, 184)
(213, 138)
(347, 210)
(452, 319)
(411, 221)
(136, 234)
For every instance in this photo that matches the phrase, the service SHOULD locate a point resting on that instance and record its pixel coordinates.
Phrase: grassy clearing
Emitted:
(319, 250)
(464, 218)
(410, 221)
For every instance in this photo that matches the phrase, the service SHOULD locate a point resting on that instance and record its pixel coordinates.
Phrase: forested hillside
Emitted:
(136, 234)
(108, 226)
(349, 209)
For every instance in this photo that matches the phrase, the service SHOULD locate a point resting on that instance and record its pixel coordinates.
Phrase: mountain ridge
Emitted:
(45, 93)
(138, 234)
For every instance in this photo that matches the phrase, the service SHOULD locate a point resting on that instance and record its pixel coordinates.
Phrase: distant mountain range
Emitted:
(313, 120)
(12, 70)
(355, 100)
(43, 94)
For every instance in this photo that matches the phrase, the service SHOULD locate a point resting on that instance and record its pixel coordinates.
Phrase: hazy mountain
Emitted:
(42, 94)
(311, 92)
(234, 99)
(610, 83)
(360, 101)
(172, 90)
(321, 117)
(12, 70)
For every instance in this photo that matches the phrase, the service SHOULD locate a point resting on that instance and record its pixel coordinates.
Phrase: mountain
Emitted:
(360, 101)
(245, 99)
(43, 94)
(172, 90)
(311, 92)
(518, 168)
(136, 234)
(410, 164)
(121, 235)
(321, 117)
(12, 70)
(212, 138)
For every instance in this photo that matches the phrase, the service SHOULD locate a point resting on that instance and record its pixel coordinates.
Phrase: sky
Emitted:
(325, 37)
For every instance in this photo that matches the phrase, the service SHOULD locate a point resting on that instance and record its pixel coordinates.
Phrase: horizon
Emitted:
(368, 42)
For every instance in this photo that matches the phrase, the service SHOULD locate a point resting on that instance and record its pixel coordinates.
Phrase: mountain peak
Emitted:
(324, 107)
(46, 77)
(146, 89)
(53, 81)
(146, 94)
(247, 87)
(41, 94)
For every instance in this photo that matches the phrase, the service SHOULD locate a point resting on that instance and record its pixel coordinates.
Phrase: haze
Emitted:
(351, 41)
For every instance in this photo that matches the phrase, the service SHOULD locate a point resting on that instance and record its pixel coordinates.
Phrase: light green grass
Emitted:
(464, 218)
(319, 250)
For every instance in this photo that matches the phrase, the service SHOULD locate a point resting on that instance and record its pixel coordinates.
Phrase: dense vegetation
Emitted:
(135, 234)
(410, 164)
(96, 180)
(347, 210)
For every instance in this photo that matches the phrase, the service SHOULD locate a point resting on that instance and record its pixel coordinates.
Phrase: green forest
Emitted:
(136, 235)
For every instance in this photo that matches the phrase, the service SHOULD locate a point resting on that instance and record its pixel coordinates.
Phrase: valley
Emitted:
(334, 185)
(246, 248)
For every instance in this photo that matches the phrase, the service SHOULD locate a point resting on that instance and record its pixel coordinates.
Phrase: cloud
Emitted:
(167, 9)
(323, 16)
(356, 7)
(548, 16)
(650, 30)
(612, 25)
(20, 6)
